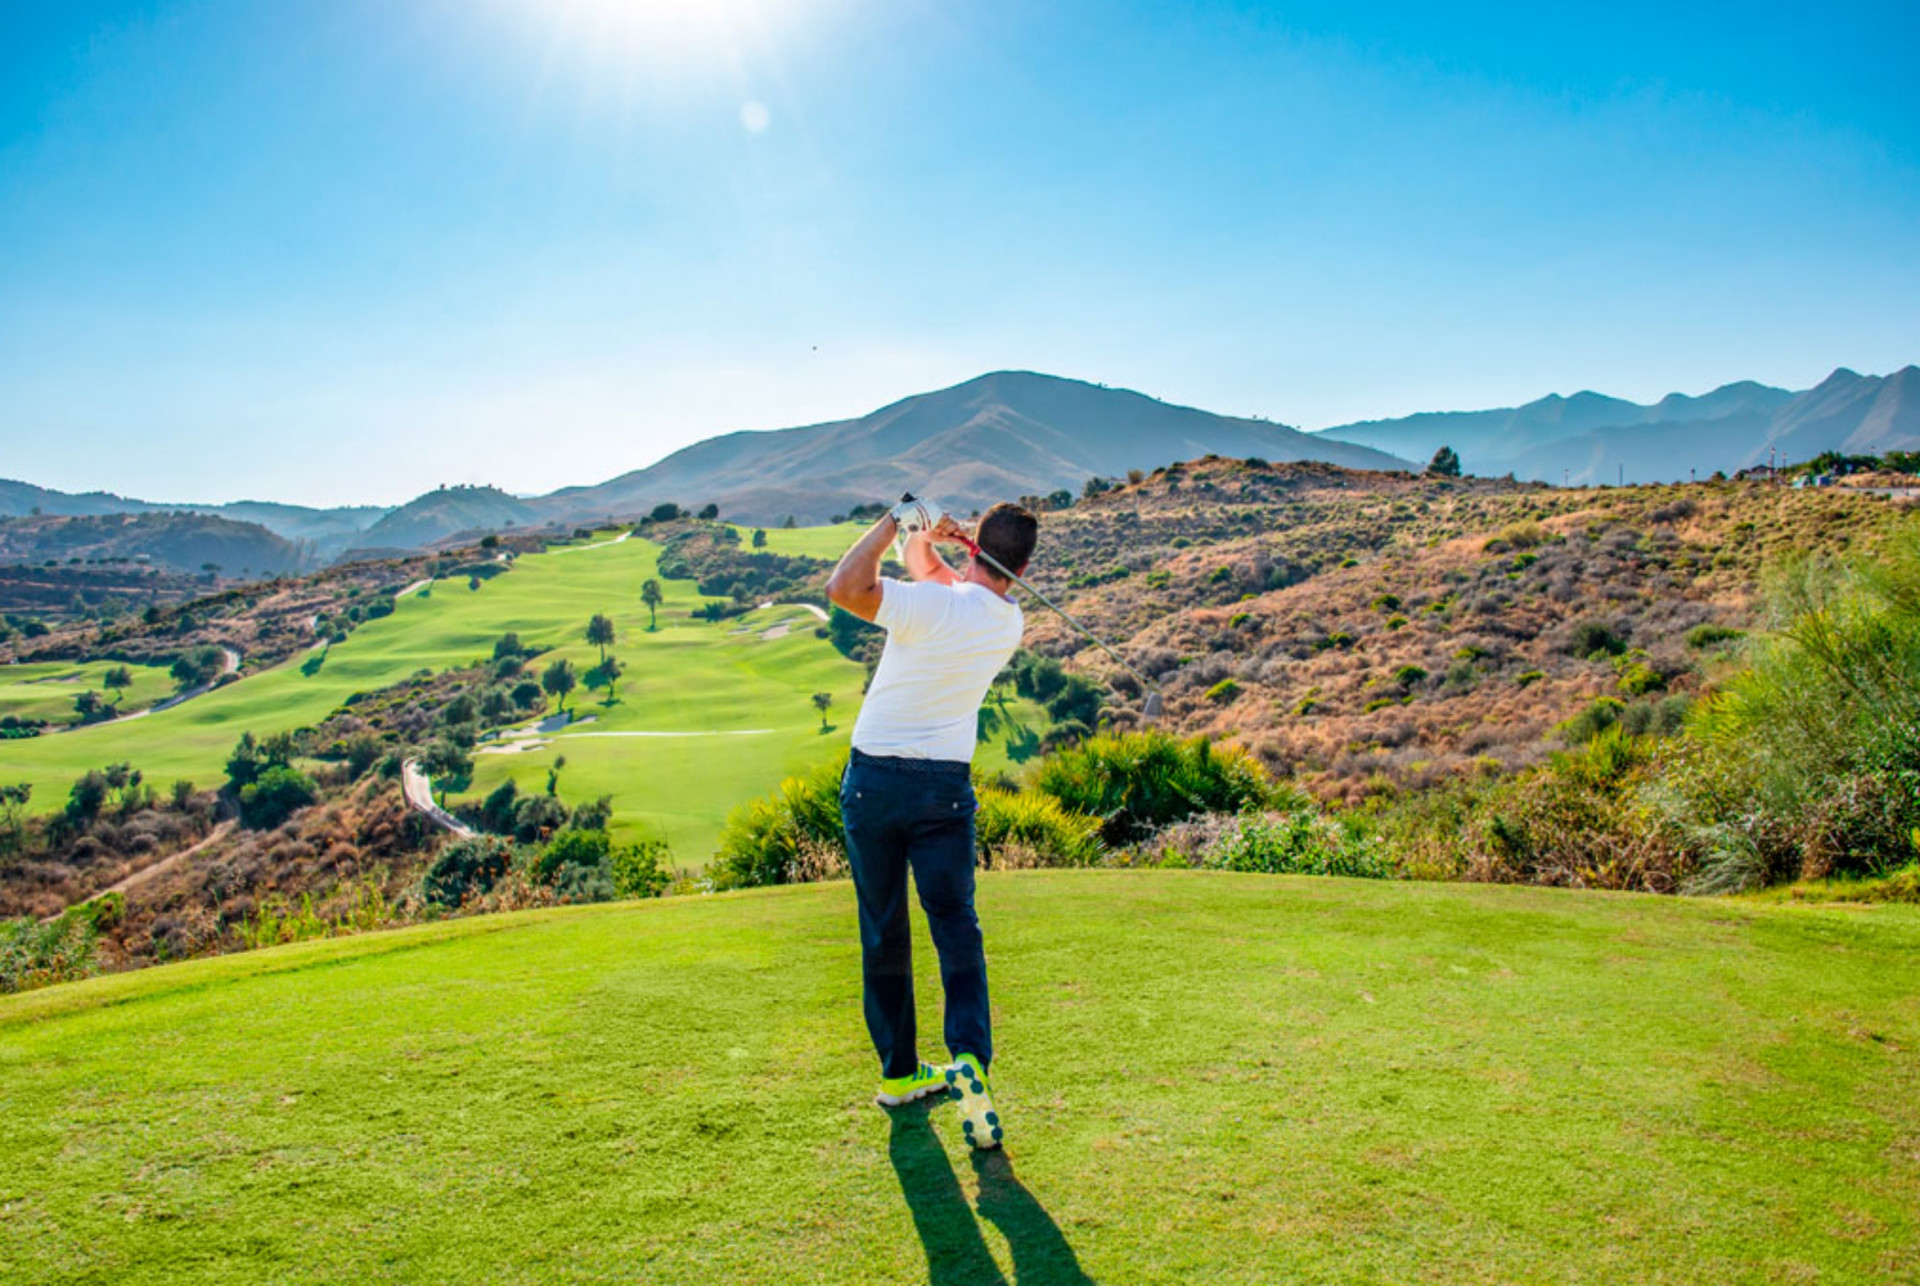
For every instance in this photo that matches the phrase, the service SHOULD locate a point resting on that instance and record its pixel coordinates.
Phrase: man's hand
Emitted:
(948, 531)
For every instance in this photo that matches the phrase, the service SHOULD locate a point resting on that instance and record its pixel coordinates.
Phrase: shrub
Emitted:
(1033, 829)
(1707, 634)
(577, 864)
(1527, 678)
(1601, 714)
(39, 955)
(640, 870)
(1223, 692)
(789, 837)
(1138, 782)
(1408, 675)
(279, 793)
(1594, 639)
(1639, 678)
(1299, 842)
(469, 866)
(1808, 763)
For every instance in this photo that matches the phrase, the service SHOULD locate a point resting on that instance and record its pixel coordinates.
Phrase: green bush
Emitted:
(641, 870)
(1638, 678)
(1595, 640)
(39, 955)
(1223, 692)
(1408, 675)
(278, 793)
(1708, 634)
(1138, 782)
(465, 867)
(1527, 678)
(1807, 764)
(578, 865)
(793, 836)
(1033, 829)
(1601, 713)
(1300, 842)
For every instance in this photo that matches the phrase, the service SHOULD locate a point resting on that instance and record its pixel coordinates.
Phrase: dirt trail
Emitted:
(146, 873)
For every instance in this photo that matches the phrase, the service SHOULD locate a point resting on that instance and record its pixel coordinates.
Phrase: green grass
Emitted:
(827, 542)
(687, 676)
(45, 690)
(1236, 1079)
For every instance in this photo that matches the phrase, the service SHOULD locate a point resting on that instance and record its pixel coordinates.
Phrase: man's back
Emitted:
(945, 644)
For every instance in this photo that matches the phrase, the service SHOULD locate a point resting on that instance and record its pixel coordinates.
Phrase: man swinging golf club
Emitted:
(907, 798)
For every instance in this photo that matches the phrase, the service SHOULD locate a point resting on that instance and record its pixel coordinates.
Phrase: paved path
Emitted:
(581, 549)
(419, 792)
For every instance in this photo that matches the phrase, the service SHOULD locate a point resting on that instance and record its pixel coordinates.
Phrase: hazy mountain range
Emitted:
(1016, 433)
(1591, 438)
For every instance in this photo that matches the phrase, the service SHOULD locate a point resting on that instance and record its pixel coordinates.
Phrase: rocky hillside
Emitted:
(179, 542)
(1375, 632)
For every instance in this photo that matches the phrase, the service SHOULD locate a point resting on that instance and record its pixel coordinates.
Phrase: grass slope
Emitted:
(46, 690)
(1206, 1078)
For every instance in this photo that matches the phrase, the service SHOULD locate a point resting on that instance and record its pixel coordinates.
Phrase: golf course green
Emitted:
(708, 713)
(1242, 1079)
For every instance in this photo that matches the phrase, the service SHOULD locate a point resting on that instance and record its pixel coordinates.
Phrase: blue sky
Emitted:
(347, 250)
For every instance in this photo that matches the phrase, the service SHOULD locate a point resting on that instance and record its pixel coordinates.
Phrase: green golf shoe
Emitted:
(896, 1090)
(978, 1121)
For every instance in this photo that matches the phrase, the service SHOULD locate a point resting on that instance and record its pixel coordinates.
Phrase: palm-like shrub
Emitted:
(788, 837)
(1032, 829)
(1808, 763)
(1137, 782)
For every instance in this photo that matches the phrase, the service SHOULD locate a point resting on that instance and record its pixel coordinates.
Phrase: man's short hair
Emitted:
(1007, 534)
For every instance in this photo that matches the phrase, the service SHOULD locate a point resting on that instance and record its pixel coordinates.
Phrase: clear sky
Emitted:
(345, 250)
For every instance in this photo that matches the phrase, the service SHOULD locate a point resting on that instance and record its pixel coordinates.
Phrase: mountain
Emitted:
(185, 542)
(443, 514)
(1590, 438)
(1002, 435)
(328, 530)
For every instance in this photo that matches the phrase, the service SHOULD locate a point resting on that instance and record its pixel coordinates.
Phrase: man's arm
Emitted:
(855, 583)
(924, 562)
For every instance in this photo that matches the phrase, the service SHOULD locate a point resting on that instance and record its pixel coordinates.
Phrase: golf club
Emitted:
(926, 516)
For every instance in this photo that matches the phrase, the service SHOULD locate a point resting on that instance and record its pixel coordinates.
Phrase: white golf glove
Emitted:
(915, 515)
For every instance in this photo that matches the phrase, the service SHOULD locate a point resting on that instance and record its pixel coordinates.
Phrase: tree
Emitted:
(640, 870)
(553, 774)
(89, 706)
(199, 666)
(13, 802)
(651, 595)
(558, 680)
(507, 647)
(445, 759)
(600, 634)
(789, 524)
(759, 537)
(666, 512)
(280, 792)
(822, 701)
(119, 678)
(1445, 463)
(610, 670)
(710, 513)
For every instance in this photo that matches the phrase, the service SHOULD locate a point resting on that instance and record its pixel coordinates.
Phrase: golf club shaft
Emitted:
(1061, 612)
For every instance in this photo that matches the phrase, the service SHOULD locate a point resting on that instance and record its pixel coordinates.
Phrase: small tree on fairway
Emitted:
(558, 680)
(651, 595)
(822, 701)
(600, 634)
(759, 537)
(119, 678)
(1445, 464)
(610, 671)
(553, 774)
(89, 706)
(443, 759)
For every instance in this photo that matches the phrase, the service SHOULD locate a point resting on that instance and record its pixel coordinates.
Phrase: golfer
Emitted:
(907, 797)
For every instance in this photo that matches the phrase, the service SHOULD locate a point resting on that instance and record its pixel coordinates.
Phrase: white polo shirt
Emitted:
(944, 645)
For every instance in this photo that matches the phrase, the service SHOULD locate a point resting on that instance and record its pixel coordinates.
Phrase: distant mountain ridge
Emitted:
(1590, 438)
(1000, 436)
(328, 531)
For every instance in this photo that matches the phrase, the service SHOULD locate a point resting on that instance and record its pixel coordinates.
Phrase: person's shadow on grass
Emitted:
(956, 1253)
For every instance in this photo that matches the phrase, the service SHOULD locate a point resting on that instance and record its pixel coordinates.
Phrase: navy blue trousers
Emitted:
(915, 815)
